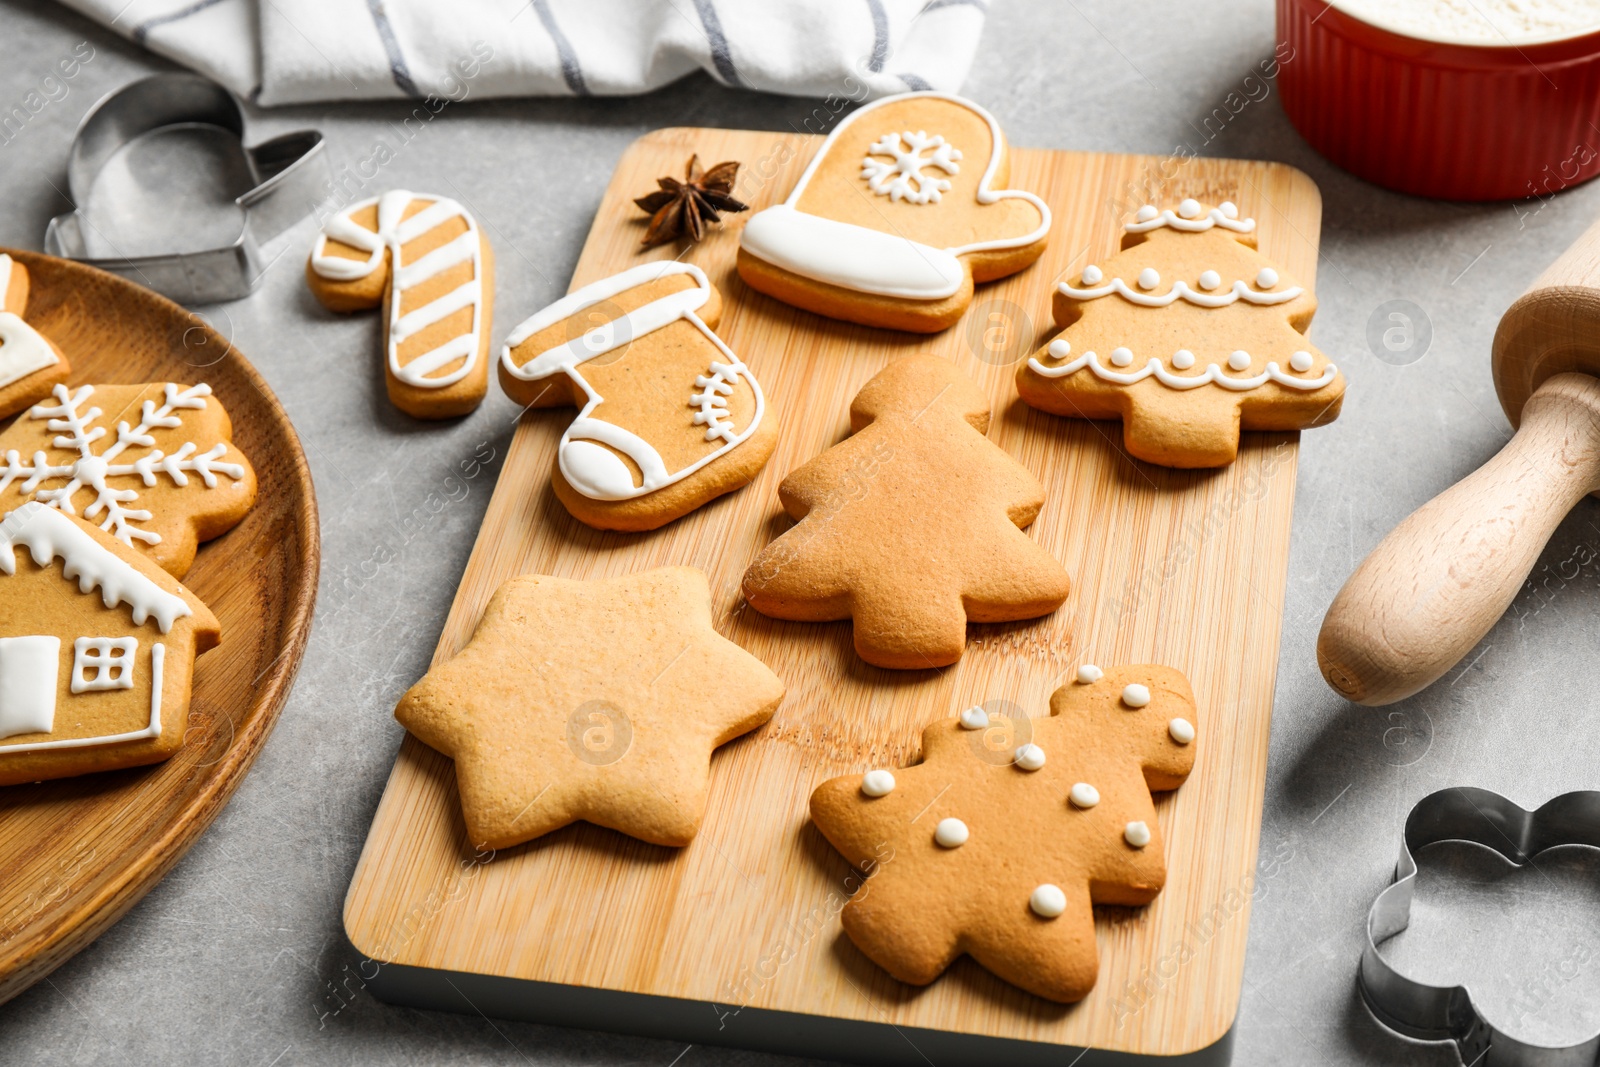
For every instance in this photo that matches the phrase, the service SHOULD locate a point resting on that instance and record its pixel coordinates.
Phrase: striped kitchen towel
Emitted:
(300, 51)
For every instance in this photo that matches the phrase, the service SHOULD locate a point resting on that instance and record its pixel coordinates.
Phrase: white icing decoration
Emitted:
(1239, 359)
(46, 534)
(1136, 834)
(103, 663)
(1149, 219)
(951, 833)
(974, 718)
(393, 233)
(877, 783)
(1089, 673)
(91, 471)
(1189, 208)
(1300, 361)
(1029, 757)
(1135, 695)
(153, 729)
(1047, 901)
(23, 351)
(1182, 730)
(900, 177)
(1092, 275)
(1084, 795)
(1266, 278)
(28, 670)
(594, 471)
(1183, 359)
(1210, 280)
(873, 261)
(1060, 349)
(1180, 291)
(1121, 357)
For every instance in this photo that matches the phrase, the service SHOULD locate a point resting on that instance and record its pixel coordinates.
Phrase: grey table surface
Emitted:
(238, 957)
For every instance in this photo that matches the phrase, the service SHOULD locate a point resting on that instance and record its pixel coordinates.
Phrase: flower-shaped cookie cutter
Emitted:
(1437, 1013)
(290, 171)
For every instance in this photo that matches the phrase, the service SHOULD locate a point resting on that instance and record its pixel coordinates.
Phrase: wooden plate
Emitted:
(76, 854)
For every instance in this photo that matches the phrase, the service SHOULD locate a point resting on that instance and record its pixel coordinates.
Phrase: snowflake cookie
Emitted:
(902, 210)
(1003, 858)
(152, 465)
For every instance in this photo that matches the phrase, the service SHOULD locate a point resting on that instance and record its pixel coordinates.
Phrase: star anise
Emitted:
(685, 208)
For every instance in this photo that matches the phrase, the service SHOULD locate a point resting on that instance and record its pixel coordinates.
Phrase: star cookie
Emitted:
(911, 527)
(599, 701)
(1001, 855)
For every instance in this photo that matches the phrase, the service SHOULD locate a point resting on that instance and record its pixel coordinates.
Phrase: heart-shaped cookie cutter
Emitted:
(1438, 1013)
(290, 171)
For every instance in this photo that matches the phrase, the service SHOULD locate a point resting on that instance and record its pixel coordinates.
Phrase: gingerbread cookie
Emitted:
(153, 465)
(1002, 859)
(912, 527)
(668, 417)
(903, 208)
(30, 364)
(599, 701)
(96, 654)
(424, 259)
(1187, 335)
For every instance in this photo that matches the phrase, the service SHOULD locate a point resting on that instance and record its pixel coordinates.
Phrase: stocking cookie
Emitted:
(668, 417)
(30, 365)
(97, 646)
(902, 210)
(152, 465)
(1002, 859)
(912, 527)
(1188, 335)
(599, 701)
(424, 259)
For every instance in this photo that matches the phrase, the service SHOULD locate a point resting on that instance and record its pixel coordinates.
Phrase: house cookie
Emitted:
(97, 646)
(30, 364)
(1003, 860)
(669, 417)
(903, 208)
(912, 527)
(1187, 335)
(599, 701)
(424, 259)
(153, 465)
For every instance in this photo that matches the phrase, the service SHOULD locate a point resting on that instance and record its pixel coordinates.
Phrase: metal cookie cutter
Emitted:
(1437, 1013)
(290, 174)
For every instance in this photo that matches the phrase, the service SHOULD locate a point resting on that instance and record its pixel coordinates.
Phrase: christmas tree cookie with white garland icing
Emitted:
(1188, 335)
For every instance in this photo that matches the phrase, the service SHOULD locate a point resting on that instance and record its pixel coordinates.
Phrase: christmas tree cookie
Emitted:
(912, 527)
(1187, 335)
(1004, 860)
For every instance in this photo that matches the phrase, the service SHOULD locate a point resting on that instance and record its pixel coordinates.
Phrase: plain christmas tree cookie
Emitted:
(669, 418)
(599, 701)
(427, 263)
(30, 363)
(912, 527)
(1187, 335)
(1002, 859)
(902, 210)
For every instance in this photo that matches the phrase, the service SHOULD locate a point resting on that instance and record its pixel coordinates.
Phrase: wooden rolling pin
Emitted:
(1442, 578)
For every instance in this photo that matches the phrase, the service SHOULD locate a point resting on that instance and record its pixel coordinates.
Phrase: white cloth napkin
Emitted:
(300, 51)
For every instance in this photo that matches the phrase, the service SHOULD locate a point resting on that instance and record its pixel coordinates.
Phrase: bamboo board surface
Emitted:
(1185, 568)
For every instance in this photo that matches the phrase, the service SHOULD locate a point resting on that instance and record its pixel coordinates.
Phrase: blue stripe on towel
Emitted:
(570, 70)
(391, 45)
(721, 56)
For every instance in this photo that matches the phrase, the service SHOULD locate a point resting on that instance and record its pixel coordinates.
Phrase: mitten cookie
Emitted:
(30, 365)
(425, 260)
(1003, 860)
(911, 527)
(902, 210)
(668, 417)
(152, 465)
(1187, 335)
(96, 654)
(599, 701)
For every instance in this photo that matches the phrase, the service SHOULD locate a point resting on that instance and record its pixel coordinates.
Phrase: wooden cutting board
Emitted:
(736, 939)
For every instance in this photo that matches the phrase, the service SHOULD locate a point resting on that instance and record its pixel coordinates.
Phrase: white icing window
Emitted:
(28, 670)
(103, 663)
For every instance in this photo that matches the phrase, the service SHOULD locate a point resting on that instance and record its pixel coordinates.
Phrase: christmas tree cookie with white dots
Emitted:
(1003, 858)
(1187, 335)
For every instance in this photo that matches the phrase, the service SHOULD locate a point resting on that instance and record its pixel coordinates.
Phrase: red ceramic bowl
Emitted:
(1440, 118)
